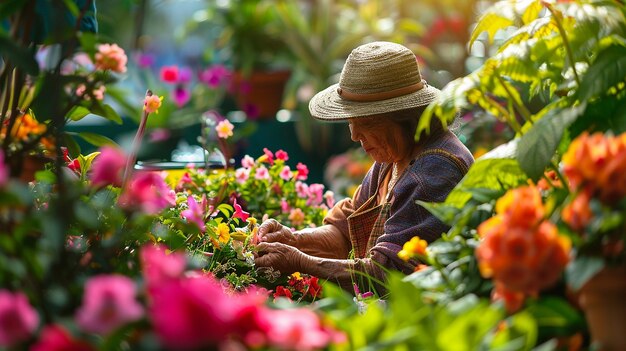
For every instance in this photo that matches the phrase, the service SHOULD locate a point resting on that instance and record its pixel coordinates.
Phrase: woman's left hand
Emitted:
(287, 259)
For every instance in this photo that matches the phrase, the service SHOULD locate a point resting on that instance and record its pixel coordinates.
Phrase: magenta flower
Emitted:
(112, 57)
(303, 171)
(159, 134)
(191, 312)
(215, 76)
(144, 60)
(269, 154)
(247, 162)
(55, 338)
(195, 213)
(262, 173)
(239, 213)
(285, 173)
(108, 167)
(181, 96)
(108, 303)
(157, 266)
(282, 155)
(18, 319)
(169, 74)
(251, 110)
(148, 192)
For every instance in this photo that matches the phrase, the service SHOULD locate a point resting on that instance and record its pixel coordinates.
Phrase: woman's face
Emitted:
(382, 139)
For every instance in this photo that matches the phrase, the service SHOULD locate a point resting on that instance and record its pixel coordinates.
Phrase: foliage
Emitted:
(557, 82)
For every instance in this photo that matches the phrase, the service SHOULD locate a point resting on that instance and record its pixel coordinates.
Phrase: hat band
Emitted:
(383, 95)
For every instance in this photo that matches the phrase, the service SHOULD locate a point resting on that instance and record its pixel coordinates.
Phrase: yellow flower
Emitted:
(296, 275)
(223, 233)
(252, 221)
(412, 248)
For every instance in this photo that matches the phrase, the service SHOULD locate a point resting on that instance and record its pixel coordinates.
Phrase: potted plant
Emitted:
(250, 42)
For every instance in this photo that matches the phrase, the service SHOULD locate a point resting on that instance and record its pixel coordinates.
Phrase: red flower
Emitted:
(282, 291)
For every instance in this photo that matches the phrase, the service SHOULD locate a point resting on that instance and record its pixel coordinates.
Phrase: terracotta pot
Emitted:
(603, 298)
(31, 165)
(264, 90)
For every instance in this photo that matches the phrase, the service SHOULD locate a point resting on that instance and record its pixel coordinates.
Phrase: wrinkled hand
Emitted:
(272, 231)
(287, 259)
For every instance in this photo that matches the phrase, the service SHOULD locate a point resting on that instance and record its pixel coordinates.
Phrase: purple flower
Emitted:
(4, 170)
(181, 96)
(214, 76)
(108, 303)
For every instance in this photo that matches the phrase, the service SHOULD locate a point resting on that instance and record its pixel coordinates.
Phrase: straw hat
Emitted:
(378, 77)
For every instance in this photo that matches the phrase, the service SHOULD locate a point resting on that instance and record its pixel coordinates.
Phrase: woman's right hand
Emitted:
(272, 231)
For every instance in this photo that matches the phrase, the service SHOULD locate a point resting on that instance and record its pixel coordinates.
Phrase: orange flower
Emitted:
(521, 206)
(543, 183)
(577, 214)
(521, 257)
(513, 300)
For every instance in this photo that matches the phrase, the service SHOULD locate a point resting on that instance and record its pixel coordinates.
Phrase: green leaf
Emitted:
(537, 147)
(72, 146)
(496, 170)
(496, 19)
(77, 113)
(555, 317)
(578, 272)
(9, 7)
(106, 111)
(96, 139)
(608, 69)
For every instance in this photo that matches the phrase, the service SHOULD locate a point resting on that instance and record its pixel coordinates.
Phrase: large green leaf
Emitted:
(77, 113)
(496, 170)
(608, 69)
(555, 317)
(537, 147)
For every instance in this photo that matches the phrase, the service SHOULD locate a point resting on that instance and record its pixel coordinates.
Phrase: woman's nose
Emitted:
(354, 133)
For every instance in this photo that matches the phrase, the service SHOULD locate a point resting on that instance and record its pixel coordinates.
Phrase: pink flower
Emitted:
(262, 173)
(284, 206)
(285, 173)
(239, 213)
(55, 338)
(158, 266)
(247, 161)
(297, 329)
(269, 154)
(4, 170)
(159, 134)
(184, 75)
(98, 92)
(148, 192)
(181, 96)
(241, 175)
(224, 129)
(303, 171)
(329, 196)
(108, 166)
(108, 303)
(169, 74)
(18, 319)
(152, 103)
(315, 194)
(195, 213)
(191, 312)
(111, 56)
(302, 189)
(144, 60)
(282, 155)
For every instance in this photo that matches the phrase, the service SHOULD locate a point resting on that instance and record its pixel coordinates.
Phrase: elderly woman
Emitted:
(381, 95)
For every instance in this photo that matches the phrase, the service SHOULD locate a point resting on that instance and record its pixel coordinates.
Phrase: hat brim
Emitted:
(327, 105)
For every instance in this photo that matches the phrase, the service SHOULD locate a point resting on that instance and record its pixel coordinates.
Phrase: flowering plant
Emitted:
(267, 187)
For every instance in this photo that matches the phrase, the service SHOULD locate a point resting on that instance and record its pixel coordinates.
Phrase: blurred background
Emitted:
(258, 62)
